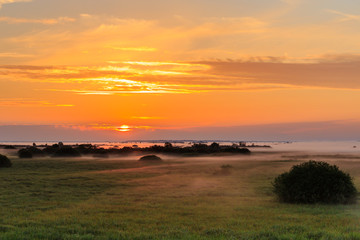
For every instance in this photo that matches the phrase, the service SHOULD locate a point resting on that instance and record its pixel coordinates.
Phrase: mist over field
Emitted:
(183, 197)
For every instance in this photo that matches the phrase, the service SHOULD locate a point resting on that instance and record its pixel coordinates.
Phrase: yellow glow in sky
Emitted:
(159, 67)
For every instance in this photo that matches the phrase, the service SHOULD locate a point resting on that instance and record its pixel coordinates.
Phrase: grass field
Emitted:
(180, 198)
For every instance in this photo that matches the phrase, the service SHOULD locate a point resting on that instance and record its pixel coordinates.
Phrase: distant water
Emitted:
(324, 146)
(313, 146)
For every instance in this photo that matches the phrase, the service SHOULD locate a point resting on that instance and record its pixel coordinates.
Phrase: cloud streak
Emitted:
(2, 2)
(14, 55)
(22, 102)
(344, 17)
(329, 72)
(49, 21)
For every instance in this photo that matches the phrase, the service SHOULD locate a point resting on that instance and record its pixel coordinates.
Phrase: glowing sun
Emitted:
(124, 128)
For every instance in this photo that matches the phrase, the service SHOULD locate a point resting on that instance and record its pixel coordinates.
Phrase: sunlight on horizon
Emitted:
(159, 68)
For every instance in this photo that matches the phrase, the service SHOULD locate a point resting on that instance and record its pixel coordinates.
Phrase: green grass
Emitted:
(177, 199)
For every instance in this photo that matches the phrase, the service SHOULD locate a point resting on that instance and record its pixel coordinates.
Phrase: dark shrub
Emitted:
(150, 158)
(315, 182)
(67, 151)
(35, 151)
(25, 153)
(215, 146)
(9, 147)
(5, 161)
(101, 153)
(50, 150)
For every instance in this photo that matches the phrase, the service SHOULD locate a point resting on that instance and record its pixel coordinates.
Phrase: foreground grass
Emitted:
(177, 199)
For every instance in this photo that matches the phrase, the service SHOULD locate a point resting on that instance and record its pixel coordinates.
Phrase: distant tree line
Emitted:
(61, 150)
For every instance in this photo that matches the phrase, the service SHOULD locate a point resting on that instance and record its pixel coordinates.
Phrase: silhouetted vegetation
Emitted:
(36, 152)
(9, 147)
(67, 151)
(50, 150)
(5, 162)
(315, 182)
(168, 148)
(101, 153)
(61, 150)
(196, 148)
(25, 153)
(215, 146)
(150, 158)
(30, 152)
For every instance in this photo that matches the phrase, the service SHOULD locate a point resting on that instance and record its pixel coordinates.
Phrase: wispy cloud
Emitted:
(146, 118)
(15, 55)
(136, 49)
(23, 102)
(120, 128)
(48, 21)
(344, 17)
(259, 74)
(119, 39)
(2, 2)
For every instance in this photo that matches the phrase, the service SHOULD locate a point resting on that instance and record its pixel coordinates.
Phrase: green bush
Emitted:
(315, 182)
(5, 161)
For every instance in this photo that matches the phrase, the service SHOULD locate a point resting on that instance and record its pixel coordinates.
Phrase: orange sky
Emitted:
(180, 65)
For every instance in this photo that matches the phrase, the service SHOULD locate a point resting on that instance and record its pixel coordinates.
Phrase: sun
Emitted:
(124, 128)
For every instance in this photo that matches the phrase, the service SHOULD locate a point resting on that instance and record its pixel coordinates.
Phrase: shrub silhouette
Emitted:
(25, 153)
(35, 151)
(215, 146)
(66, 151)
(9, 147)
(49, 150)
(315, 182)
(5, 161)
(150, 158)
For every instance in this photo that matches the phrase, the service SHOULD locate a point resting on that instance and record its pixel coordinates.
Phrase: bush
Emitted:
(25, 153)
(67, 151)
(315, 182)
(50, 150)
(150, 158)
(9, 147)
(35, 151)
(5, 161)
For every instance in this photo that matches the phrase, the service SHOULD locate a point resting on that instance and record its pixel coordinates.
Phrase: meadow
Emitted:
(212, 197)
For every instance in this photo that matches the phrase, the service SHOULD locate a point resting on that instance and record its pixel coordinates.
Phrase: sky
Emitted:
(115, 70)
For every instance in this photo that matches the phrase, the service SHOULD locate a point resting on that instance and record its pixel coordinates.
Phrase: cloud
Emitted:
(2, 2)
(136, 49)
(146, 118)
(254, 74)
(102, 39)
(337, 75)
(344, 17)
(292, 2)
(95, 40)
(85, 15)
(22, 102)
(49, 21)
(166, 78)
(14, 55)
